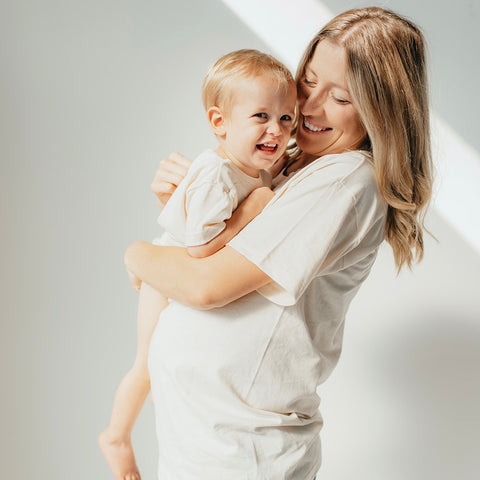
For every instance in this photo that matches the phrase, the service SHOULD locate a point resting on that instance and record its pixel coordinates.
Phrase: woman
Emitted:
(255, 328)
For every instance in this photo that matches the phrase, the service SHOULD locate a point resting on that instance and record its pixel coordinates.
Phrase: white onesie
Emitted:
(206, 197)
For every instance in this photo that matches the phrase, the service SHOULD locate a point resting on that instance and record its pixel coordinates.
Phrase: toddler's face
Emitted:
(259, 124)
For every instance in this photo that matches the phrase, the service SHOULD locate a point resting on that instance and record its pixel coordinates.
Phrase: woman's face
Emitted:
(328, 123)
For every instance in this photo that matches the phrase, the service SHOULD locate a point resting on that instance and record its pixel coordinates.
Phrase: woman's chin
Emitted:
(310, 148)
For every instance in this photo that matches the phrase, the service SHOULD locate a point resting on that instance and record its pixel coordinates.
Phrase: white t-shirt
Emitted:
(235, 387)
(205, 198)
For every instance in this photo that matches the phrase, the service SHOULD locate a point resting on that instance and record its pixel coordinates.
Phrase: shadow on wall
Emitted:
(434, 380)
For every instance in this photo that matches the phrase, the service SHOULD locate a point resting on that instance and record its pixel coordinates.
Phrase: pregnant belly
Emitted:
(203, 366)
(211, 345)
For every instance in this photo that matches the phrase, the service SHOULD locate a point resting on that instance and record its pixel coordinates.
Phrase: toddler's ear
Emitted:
(216, 119)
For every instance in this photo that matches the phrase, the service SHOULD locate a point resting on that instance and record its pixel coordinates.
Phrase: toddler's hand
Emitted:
(169, 174)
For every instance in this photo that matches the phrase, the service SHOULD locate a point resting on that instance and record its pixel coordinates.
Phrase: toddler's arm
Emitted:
(171, 172)
(244, 214)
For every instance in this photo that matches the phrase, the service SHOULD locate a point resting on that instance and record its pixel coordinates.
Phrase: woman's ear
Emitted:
(216, 119)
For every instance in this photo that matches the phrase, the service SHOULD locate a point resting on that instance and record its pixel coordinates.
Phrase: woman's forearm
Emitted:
(203, 283)
(216, 277)
(160, 267)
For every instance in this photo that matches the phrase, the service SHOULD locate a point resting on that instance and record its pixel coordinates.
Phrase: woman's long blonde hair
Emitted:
(387, 80)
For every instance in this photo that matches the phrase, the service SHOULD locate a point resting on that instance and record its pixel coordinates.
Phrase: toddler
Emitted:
(249, 98)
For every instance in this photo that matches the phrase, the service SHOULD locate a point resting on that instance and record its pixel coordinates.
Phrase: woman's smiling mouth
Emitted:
(312, 128)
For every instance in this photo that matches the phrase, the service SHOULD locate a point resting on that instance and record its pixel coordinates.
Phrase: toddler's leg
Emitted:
(115, 441)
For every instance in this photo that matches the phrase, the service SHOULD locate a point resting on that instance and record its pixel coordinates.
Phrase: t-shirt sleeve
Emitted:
(207, 206)
(304, 232)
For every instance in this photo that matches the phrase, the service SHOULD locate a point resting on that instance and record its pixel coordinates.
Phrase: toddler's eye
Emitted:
(286, 118)
(260, 115)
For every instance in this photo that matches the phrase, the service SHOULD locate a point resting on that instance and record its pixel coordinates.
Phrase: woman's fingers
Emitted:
(175, 165)
(164, 181)
(171, 171)
(277, 167)
(180, 160)
(168, 176)
(163, 187)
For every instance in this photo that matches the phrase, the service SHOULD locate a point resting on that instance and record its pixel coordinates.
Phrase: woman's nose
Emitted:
(312, 103)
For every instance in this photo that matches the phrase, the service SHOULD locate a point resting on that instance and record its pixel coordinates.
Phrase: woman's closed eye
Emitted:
(340, 101)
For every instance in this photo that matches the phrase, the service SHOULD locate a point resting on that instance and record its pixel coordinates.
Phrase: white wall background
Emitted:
(92, 95)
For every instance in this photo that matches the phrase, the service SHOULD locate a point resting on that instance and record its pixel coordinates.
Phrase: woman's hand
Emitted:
(169, 174)
(277, 167)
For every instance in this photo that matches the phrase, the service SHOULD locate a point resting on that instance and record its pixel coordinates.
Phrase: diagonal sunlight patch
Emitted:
(287, 27)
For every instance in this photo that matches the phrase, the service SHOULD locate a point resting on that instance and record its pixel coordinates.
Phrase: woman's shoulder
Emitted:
(354, 167)
(348, 162)
(338, 179)
(354, 172)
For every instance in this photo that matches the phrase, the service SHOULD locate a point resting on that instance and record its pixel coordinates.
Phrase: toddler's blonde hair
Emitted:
(219, 84)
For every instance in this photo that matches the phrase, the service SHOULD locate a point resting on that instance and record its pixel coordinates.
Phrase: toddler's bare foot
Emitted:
(119, 455)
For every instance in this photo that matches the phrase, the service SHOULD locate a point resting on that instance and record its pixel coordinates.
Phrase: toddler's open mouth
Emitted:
(267, 147)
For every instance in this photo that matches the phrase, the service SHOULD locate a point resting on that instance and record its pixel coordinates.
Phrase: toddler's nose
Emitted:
(274, 129)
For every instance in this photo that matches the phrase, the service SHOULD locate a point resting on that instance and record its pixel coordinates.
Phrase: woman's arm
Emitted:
(203, 283)
(191, 280)
(216, 277)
